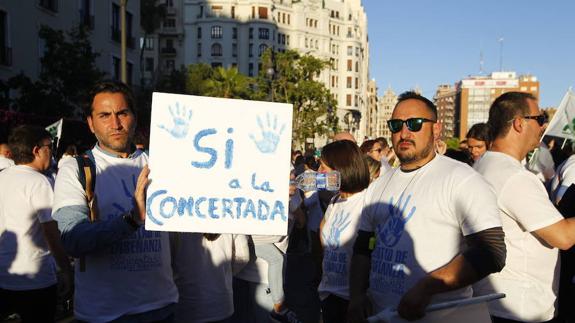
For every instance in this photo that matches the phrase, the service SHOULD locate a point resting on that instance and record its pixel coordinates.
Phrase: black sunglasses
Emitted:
(413, 124)
(541, 119)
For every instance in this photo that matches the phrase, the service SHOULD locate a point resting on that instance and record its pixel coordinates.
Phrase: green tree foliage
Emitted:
(452, 143)
(295, 81)
(197, 75)
(228, 83)
(68, 73)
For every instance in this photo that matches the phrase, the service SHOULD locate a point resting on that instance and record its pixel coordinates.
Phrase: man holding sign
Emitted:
(428, 230)
(124, 272)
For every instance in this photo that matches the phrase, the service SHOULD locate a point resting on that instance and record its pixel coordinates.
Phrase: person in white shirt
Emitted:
(534, 229)
(29, 237)
(338, 228)
(428, 230)
(5, 156)
(124, 271)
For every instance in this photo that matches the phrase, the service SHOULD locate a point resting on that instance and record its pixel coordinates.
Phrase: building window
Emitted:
(264, 33)
(251, 69)
(349, 65)
(5, 50)
(217, 32)
(149, 64)
(199, 32)
(262, 49)
(234, 33)
(170, 65)
(170, 23)
(357, 66)
(149, 43)
(356, 83)
(348, 83)
(115, 22)
(86, 16)
(201, 14)
(251, 50)
(233, 12)
(349, 50)
(216, 65)
(253, 12)
(51, 5)
(199, 49)
(216, 49)
(115, 68)
(234, 50)
(251, 33)
(263, 12)
(279, 17)
(348, 100)
(287, 40)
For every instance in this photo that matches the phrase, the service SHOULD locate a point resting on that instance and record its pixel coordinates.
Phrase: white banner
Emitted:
(218, 165)
(563, 123)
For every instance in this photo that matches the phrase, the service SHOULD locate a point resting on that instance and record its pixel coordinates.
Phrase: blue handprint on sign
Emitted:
(181, 119)
(390, 232)
(270, 135)
(338, 225)
(128, 194)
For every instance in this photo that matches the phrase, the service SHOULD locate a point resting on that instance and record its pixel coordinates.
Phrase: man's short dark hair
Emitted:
(504, 109)
(22, 141)
(479, 131)
(110, 86)
(411, 95)
(345, 157)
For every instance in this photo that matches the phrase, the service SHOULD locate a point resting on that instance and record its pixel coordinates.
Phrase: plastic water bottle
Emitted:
(314, 181)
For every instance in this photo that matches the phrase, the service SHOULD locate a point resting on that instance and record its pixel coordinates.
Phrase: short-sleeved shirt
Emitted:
(419, 219)
(531, 273)
(134, 274)
(25, 203)
(338, 234)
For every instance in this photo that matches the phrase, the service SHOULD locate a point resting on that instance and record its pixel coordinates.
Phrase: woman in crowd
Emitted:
(338, 230)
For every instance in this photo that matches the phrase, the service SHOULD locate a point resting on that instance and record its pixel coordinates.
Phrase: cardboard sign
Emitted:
(218, 165)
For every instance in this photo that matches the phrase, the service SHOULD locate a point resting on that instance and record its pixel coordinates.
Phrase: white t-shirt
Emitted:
(531, 273)
(5, 163)
(564, 178)
(133, 275)
(419, 219)
(25, 203)
(203, 274)
(338, 235)
(63, 160)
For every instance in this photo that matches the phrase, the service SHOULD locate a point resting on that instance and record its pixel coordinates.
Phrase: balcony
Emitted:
(170, 51)
(6, 56)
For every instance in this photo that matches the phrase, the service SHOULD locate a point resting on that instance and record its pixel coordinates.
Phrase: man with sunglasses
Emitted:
(534, 229)
(429, 229)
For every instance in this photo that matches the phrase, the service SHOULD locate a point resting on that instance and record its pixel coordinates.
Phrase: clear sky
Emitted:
(430, 42)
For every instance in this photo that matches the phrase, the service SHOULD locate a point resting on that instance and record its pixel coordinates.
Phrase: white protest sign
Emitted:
(218, 165)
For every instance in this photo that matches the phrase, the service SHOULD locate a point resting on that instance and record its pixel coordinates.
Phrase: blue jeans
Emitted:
(275, 259)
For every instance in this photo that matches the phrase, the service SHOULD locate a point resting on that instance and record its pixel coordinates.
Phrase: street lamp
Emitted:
(270, 72)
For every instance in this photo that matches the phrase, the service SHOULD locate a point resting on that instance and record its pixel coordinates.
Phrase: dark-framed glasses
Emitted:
(541, 119)
(413, 124)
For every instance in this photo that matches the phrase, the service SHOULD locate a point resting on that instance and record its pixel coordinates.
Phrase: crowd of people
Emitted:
(413, 223)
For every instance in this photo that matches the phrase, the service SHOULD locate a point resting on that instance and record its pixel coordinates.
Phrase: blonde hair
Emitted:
(374, 167)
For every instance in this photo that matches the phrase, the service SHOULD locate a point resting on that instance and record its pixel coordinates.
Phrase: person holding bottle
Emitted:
(339, 226)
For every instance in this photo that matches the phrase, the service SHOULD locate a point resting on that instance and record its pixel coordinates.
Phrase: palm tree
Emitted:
(228, 83)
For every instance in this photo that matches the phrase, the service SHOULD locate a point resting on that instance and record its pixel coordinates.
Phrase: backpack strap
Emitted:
(87, 177)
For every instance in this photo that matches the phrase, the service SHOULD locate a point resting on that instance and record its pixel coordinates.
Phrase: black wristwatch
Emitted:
(133, 220)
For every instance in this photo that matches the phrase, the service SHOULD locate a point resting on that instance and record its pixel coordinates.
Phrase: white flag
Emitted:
(55, 130)
(563, 123)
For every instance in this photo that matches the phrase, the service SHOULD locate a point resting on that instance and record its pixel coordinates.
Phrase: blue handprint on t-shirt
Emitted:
(338, 225)
(270, 135)
(390, 232)
(181, 119)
